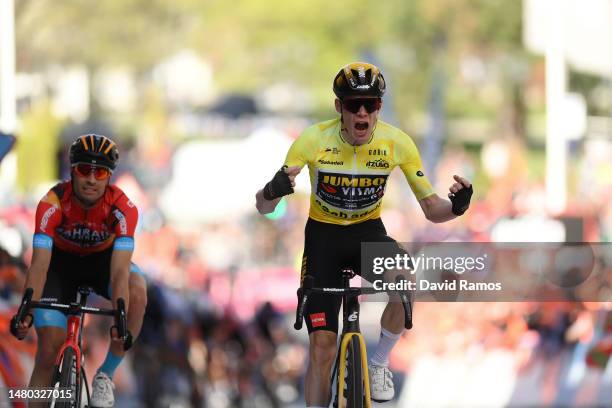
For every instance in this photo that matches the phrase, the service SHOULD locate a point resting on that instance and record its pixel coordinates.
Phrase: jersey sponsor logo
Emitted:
(332, 150)
(332, 162)
(378, 164)
(122, 222)
(354, 215)
(377, 152)
(318, 319)
(420, 173)
(83, 236)
(45, 218)
(350, 192)
(329, 189)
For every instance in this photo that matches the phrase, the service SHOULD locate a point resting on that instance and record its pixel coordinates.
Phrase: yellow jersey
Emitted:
(348, 182)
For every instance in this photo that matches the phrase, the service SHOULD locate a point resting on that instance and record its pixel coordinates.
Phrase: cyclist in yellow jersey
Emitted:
(349, 160)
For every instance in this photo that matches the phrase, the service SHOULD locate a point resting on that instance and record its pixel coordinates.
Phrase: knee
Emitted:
(48, 347)
(322, 348)
(138, 294)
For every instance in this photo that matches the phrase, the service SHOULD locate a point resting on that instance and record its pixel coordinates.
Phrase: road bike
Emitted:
(350, 371)
(69, 379)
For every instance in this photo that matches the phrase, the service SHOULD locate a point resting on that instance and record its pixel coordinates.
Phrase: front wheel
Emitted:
(68, 381)
(354, 391)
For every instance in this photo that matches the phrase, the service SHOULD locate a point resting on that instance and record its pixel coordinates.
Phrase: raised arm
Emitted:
(281, 185)
(437, 209)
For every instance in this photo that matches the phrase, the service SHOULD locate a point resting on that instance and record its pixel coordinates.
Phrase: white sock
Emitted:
(385, 345)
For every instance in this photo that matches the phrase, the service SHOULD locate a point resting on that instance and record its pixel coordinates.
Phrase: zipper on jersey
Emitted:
(353, 173)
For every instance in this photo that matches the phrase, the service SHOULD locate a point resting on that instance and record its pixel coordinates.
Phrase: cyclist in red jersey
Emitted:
(84, 236)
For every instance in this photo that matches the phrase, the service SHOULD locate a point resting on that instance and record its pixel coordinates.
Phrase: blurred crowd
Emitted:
(221, 298)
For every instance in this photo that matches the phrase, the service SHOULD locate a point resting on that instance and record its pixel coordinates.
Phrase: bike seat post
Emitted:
(347, 275)
(84, 292)
(350, 305)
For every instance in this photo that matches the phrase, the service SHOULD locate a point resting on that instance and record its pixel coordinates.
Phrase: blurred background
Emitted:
(205, 97)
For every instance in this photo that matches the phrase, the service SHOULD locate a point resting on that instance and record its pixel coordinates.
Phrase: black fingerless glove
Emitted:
(279, 186)
(461, 200)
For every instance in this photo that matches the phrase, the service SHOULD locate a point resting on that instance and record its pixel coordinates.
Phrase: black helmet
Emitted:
(359, 79)
(94, 149)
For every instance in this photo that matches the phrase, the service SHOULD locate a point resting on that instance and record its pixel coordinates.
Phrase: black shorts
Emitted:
(328, 249)
(66, 273)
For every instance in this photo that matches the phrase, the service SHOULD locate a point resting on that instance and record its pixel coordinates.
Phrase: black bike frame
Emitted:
(350, 307)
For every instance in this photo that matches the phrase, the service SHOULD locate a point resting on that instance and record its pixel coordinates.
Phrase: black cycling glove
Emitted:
(461, 200)
(279, 186)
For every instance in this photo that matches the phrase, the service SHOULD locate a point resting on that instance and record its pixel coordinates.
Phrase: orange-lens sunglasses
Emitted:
(84, 170)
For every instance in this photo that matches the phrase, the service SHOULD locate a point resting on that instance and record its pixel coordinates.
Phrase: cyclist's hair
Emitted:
(359, 79)
(94, 149)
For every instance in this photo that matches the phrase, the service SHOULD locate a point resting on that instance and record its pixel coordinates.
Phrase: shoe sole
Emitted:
(377, 400)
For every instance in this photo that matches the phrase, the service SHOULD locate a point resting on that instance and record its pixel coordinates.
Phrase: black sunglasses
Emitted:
(370, 104)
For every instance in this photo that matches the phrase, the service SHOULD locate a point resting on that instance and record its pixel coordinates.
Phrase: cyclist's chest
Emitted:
(85, 227)
(373, 158)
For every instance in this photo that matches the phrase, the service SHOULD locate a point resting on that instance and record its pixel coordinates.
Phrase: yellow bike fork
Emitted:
(364, 368)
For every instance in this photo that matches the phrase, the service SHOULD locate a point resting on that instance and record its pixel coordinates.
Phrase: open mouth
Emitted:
(361, 125)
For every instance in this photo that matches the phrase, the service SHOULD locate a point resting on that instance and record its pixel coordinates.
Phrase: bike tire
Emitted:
(354, 379)
(68, 379)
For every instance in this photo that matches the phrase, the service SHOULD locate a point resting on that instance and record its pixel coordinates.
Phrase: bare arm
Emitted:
(119, 276)
(267, 206)
(37, 272)
(264, 206)
(437, 209)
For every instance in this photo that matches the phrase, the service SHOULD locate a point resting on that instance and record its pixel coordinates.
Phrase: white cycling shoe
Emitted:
(102, 392)
(381, 383)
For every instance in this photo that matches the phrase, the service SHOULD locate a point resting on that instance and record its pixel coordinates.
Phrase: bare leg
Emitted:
(322, 354)
(136, 310)
(392, 318)
(50, 339)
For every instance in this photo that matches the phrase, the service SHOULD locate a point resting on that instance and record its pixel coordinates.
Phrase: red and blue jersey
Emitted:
(62, 222)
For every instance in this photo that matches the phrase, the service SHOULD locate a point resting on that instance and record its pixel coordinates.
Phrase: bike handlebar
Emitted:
(27, 303)
(307, 288)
